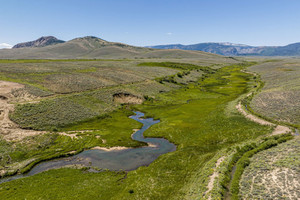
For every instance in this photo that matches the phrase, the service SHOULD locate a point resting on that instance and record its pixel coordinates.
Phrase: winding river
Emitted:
(126, 159)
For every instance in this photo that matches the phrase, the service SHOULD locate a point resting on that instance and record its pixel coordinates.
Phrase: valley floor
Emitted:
(199, 117)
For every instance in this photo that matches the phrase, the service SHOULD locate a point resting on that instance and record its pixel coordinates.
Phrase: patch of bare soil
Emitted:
(8, 129)
(6, 87)
(280, 129)
(213, 177)
(118, 148)
(73, 134)
(127, 98)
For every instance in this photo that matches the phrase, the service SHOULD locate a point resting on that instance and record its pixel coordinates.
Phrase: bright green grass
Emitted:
(199, 128)
(81, 183)
(111, 128)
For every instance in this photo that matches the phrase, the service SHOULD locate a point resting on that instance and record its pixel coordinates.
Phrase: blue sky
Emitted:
(153, 22)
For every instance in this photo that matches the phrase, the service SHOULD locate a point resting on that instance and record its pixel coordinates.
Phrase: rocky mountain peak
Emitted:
(41, 42)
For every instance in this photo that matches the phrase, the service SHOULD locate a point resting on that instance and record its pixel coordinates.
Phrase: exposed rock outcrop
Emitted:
(127, 98)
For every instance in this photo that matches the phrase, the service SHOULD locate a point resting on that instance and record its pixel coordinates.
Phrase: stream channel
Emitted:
(115, 160)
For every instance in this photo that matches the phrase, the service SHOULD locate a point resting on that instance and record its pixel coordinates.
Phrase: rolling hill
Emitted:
(95, 48)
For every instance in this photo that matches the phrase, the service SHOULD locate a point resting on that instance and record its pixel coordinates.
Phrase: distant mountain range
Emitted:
(91, 47)
(230, 49)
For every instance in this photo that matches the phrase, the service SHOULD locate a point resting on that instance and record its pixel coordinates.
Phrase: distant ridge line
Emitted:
(231, 49)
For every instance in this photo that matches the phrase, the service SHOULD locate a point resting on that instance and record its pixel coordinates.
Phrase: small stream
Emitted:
(115, 160)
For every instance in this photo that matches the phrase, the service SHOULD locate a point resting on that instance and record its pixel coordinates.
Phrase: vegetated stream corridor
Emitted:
(125, 159)
(200, 119)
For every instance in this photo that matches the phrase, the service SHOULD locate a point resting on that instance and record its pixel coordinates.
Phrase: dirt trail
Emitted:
(8, 129)
(213, 177)
(278, 130)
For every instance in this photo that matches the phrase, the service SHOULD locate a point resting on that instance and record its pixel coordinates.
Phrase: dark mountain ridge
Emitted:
(41, 42)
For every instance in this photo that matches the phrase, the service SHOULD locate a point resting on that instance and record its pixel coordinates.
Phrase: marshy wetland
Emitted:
(194, 101)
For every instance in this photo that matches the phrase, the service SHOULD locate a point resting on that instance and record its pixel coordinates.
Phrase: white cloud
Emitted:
(5, 45)
(169, 33)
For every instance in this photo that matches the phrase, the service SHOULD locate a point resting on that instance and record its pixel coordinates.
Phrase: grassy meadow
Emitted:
(199, 117)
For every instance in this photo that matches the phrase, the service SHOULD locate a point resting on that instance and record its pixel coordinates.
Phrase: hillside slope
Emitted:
(95, 48)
